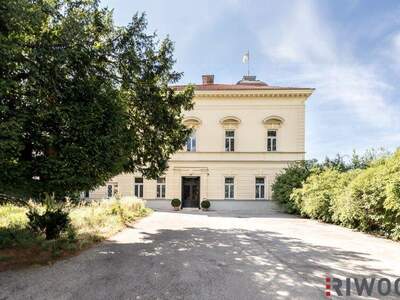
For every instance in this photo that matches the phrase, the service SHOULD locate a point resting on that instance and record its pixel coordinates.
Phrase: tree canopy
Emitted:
(82, 100)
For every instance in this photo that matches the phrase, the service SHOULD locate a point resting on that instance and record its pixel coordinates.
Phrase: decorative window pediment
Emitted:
(230, 122)
(192, 122)
(273, 122)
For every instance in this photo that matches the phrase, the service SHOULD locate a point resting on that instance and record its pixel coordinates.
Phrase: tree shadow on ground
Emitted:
(204, 263)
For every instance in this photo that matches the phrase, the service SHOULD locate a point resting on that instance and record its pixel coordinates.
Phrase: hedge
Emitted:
(364, 199)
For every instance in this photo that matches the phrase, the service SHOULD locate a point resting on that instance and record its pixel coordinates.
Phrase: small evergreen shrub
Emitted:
(205, 204)
(175, 202)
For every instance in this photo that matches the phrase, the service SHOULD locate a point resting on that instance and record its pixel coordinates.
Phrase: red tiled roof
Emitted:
(236, 87)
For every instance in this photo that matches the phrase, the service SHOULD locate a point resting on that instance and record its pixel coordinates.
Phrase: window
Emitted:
(161, 188)
(271, 140)
(86, 194)
(138, 187)
(229, 140)
(229, 188)
(191, 143)
(112, 189)
(260, 188)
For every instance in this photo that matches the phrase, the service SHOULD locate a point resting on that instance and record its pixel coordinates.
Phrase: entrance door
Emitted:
(191, 192)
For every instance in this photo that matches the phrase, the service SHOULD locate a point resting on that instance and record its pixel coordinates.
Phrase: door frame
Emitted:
(182, 180)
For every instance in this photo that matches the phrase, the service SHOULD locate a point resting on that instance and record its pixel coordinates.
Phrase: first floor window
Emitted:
(260, 188)
(229, 188)
(86, 194)
(191, 143)
(112, 189)
(138, 186)
(229, 140)
(271, 140)
(161, 187)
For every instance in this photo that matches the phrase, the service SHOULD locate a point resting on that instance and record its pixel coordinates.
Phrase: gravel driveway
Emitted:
(198, 255)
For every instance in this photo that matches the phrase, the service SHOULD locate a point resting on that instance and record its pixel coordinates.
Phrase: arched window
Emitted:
(272, 124)
(230, 124)
(193, 123)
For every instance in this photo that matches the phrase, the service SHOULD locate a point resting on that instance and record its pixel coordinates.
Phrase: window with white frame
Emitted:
(271, 140)
(112, 189)
(260, 188)
(229, 188)
(138, 187)
(161, 187)
(86, 194)
(229, 140)
(191, 142)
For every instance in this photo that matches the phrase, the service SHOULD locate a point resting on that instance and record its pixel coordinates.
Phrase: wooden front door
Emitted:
(191, 192)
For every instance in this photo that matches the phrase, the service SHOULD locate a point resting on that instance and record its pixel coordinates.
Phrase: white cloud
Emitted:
(305, 44)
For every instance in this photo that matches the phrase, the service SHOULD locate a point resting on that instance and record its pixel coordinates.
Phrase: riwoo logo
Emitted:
(361, 286)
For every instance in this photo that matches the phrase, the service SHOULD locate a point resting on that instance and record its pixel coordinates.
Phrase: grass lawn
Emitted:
(91, 223)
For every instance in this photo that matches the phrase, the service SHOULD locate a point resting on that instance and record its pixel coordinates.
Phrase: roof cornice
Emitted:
(267, 93)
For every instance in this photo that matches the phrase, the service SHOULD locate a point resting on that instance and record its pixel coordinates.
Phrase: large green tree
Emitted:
(81, 99)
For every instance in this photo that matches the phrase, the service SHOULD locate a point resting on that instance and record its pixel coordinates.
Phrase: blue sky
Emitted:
(349, 50)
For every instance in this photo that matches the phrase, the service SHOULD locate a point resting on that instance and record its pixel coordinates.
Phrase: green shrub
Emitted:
(316, 199)
(51, 223)
(291, 178)
(205, 204)
(371, 202)
(176, 202)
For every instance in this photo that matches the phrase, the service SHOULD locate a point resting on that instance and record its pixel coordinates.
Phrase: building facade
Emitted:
(243, 135)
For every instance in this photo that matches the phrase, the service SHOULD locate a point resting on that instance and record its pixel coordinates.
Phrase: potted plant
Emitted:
(176, 203)
(205, 205)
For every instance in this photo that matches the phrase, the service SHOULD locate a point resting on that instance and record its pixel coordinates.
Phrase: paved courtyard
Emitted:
(198, 255)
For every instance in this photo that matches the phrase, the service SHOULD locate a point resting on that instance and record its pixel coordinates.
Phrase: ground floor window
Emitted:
(86, 194)
(260, 188)
(112, 189)
(229, 188)
(161, 187)
(138, 187)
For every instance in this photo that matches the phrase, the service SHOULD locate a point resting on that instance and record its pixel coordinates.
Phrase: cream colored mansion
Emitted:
(244, 134)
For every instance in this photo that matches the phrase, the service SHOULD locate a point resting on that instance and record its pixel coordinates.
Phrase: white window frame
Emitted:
(273, 140)
(191, 143)
(260, 186)
(138, 186)
(229, 141)
(113, 187)
(161, 188)
(231, 188)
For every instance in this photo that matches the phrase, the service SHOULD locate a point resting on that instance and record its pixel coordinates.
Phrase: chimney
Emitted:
(208, 79)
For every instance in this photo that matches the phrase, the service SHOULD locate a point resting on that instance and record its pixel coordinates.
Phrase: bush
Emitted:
(291, 178)
(176, 202)
(205, 204)
(371, 202)
(318, 196)
(51, 223)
